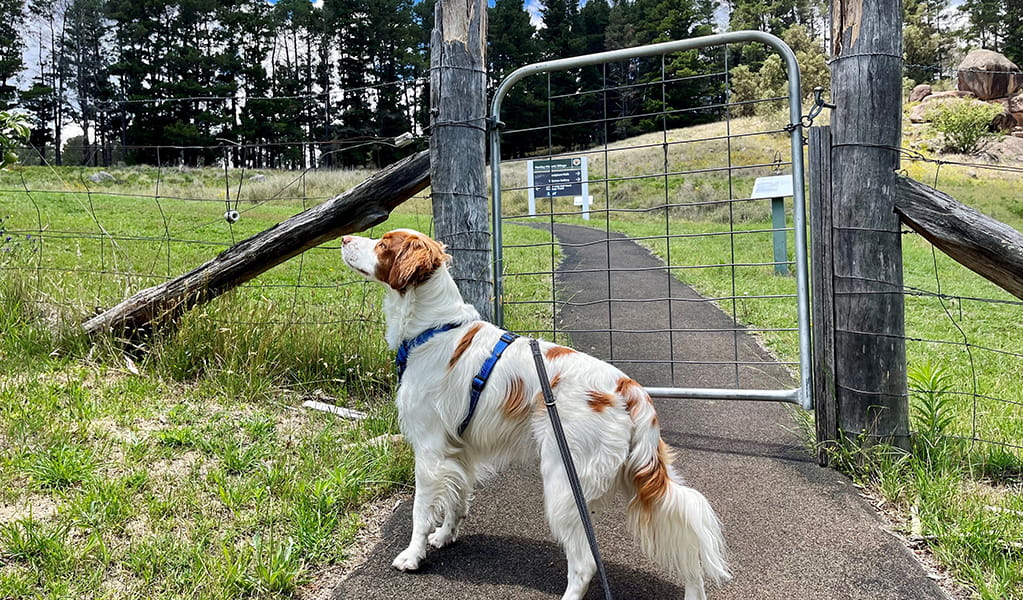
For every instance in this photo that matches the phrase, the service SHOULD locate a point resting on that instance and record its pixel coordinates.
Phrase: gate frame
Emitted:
(801, 395)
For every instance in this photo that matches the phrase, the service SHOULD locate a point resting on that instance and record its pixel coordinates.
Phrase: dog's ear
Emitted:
(415, 261)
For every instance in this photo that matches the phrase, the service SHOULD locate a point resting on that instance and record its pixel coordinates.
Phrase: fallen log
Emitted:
(358, 209)
(985, 245)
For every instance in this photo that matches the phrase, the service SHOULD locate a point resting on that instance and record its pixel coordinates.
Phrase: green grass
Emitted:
(183, 465)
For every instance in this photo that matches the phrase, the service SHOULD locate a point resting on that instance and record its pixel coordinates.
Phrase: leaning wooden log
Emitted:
(982, 244)
(358, 209)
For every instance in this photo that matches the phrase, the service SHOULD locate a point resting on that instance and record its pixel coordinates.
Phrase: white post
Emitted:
(586, 189)
(532, 189)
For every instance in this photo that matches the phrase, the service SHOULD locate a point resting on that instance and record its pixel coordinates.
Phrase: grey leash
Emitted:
(566, 457)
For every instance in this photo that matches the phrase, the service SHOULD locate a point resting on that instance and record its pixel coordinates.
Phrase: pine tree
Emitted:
(11, 45)
(512, 43)
(85, 61)
(39, 101)
(774, 17)
(623, 98)
(391, 56)
(985, 23)
(1013, 47)
(664, 20)
(590, 28)
(923, 45)
(559, 39)
(46, 26)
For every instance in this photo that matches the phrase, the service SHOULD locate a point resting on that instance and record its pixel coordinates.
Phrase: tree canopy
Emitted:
(296, 84)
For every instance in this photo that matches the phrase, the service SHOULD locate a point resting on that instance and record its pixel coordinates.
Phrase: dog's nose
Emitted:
(345, 240)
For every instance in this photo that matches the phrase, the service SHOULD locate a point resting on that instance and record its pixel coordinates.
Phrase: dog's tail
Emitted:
(673, 523)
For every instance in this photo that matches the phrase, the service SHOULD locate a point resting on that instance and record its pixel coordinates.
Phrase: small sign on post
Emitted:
(776, 188)
(559, 178)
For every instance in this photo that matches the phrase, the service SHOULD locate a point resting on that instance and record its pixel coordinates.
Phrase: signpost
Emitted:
(559, 178)
(776, 188)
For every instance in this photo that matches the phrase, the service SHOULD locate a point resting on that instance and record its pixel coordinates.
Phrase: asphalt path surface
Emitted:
(794, 530)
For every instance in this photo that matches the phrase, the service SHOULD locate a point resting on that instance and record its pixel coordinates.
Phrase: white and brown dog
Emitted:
(609, 421)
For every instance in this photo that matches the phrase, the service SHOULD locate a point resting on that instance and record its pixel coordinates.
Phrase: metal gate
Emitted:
(607, 163)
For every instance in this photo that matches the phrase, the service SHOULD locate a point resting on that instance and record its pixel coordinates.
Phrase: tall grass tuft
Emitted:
(247, 347)
(932, 406)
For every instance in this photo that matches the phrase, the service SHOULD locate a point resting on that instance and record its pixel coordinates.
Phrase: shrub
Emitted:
(965, 124)
(771, 81)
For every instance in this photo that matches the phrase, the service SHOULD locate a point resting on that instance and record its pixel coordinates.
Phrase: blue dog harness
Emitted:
(479, 382)
(401, 359)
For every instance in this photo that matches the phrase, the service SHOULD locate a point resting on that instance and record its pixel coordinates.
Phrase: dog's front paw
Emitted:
(442, 537)
(408, 560)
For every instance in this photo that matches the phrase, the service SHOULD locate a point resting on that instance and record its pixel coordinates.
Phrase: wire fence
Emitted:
(670, 166)
(86, 238)
(962, 331)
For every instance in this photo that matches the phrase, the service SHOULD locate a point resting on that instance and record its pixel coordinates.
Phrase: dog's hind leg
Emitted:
(565, 524)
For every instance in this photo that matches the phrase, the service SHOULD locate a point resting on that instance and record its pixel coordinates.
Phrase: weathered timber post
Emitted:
(822, 270)
(458, 101)
(870, 348)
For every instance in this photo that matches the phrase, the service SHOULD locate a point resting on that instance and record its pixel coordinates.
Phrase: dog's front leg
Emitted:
(460, 481)
(429, 485)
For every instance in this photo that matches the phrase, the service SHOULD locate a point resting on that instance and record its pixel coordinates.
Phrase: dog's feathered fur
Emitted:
(609, 420)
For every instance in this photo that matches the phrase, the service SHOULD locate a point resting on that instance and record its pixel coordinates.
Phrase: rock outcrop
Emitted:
(989, 75)
(920, 92)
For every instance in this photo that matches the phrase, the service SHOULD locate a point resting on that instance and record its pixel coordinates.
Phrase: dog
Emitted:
(608, 418)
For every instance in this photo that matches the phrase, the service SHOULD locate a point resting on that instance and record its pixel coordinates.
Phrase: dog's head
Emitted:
(400, 259)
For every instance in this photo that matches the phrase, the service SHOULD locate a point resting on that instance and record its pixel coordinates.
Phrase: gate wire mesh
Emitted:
(671, 167)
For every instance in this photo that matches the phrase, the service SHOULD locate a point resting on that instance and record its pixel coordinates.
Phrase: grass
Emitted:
(183, 465)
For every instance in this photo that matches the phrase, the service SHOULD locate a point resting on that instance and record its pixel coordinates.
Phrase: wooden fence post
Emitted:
(866, 245)
(822, 290)
(458, 93)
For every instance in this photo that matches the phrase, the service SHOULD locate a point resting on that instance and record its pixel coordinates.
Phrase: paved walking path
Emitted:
(795, 531)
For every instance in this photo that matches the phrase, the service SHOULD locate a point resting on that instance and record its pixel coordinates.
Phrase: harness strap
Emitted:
(401, 358)
(480, 380)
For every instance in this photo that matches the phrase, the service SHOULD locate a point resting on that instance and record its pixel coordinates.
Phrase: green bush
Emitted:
(770, 80)
(965, 124)
(13, 132)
